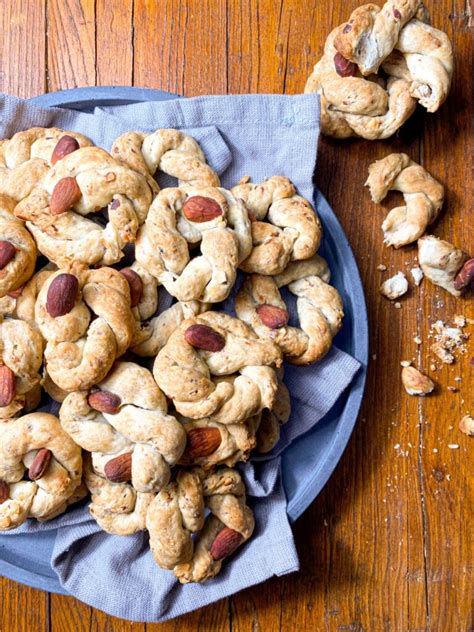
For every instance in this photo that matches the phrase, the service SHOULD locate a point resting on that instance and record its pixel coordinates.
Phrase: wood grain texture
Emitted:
(387, 545)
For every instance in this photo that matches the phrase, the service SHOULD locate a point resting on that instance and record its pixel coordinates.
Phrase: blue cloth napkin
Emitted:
(256, 135)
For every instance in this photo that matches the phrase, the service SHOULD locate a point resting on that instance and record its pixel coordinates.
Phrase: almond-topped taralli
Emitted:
(21, 357)
(319, 306)
(17, 249)
(285, 227)
(85, 182)
(81, 349)
(180, 218)
(178, 511)
(26, 158)
(215, 366)
(124, 423)
(40, 469)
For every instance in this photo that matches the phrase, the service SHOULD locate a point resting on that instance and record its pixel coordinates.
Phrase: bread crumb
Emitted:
(417, 274)
(453, 446)
(466, 425)
(405, 363)
(417, 340)
(394, 287)
(381, 267)
(398, 305)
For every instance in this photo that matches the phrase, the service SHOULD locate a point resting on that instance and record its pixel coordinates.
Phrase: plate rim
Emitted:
(80, 98)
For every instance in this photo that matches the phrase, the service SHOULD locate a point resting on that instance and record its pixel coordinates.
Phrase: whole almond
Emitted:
(119, 470)
(40, 464)
(65, 194)
(200, 442)
(272, 316)
(201, 209)
(65, 145)
(62, 294)
(7, 252)
(7, 386)
(136, 285)
(4, 491)
(204, 337)
(104, 402)
(464, 277)
(344, 67)
(225, 543)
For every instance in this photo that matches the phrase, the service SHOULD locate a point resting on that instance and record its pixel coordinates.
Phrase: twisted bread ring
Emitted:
(210, 216)
(27, 156)
(17, 249)
(80, 351)
(354, 106)
(178, 511)
(169, 151)
(319, 308)
(86, 181)
(21, 350)
(214, 345)
(116, 507)
(126, 427)
(291, 232)
(36, 441)
(423, 197)
(371, 33)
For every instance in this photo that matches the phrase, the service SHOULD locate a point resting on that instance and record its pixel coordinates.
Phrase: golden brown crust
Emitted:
(319, 308)
(424, 197)
(48, 495)
(286, 227)
(162, 246)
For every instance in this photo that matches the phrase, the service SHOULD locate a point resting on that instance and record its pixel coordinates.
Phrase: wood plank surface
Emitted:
(387, 545)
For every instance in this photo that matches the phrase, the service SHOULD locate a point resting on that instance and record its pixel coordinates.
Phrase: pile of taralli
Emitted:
(156, 408)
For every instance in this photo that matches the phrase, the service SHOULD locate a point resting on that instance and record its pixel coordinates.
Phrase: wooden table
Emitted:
(387, 546)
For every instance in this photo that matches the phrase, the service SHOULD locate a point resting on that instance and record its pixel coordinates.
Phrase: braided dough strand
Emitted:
(292, 231)
(169, 151)
(423, 196)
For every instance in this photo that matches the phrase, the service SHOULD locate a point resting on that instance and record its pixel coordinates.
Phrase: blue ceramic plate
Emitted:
(311, 459)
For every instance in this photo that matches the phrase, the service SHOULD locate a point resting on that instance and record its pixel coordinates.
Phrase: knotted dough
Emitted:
(48, 495)
(25, 158)
(285, 226)
(229, 384)
(319, 306)
(66, 235)
(178, 511)
(167, 150)
(182, 217)
(441, 262)
(126, 415)
(83, 343)
(17, 249)
(423, 195)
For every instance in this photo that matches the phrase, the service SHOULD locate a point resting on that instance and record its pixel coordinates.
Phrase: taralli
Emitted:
(117, 507)
(209, 216)
(268, 423)
(178, 511)
(36, 444)
(285, 226)
(17, 249)
(143, 291)
(26, 157)
(86, 181)
(354, 106)
(319, 308)
(371, 33)
(215, 366)
(80, 350)
(167, 150)
(423, 196)
(21, 351)
(21, 303)
(444, 264)
(124, 423)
